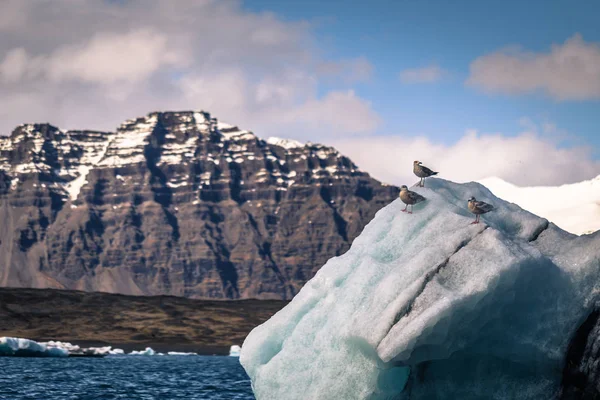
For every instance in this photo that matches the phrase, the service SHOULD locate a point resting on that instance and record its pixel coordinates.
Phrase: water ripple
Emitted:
(127, 378)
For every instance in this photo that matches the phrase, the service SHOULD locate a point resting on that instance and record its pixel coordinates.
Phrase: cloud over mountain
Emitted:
(101, 62)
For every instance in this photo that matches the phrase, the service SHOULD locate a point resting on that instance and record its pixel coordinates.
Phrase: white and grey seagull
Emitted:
(410, 198)
(422, 172)
(478, 208)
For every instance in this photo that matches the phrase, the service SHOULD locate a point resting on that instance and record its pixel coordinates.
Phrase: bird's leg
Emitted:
(422, 183)
(411, 207)
(476, 220)
(405, 208)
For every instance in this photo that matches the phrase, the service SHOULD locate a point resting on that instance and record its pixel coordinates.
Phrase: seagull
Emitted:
(422, 172)
(409, 198)
(478, 208)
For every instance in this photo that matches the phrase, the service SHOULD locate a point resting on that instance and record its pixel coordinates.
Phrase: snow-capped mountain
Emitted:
(175, 203)
(574, 207)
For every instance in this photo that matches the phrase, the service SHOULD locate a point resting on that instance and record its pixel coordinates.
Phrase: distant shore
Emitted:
(164, 323)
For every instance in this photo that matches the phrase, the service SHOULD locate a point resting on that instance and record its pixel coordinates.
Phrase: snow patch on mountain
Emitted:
(127, 146)
(285, 143)
(92, 157)
(231, 132)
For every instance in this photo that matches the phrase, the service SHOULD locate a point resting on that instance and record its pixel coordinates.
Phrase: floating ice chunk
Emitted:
(10, 346)
(101, 350)
(147, 352)
(235, 350)
(427, 306)
(52, 348)
(180, 353)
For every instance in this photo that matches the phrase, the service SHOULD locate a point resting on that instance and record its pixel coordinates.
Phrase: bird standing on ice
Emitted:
(410, 198)
(422, 172)
(478, 208)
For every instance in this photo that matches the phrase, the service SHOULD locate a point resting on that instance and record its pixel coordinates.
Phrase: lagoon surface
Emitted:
(124, 377)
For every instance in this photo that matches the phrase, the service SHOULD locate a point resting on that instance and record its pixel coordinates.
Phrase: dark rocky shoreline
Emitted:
(165, 323)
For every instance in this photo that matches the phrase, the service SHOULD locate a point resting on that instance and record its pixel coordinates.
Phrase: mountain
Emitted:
(175, 203)
(430, 306)
(574, 207)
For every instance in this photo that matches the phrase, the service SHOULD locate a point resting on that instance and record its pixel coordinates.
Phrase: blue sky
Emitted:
(396, 35)
(474, 89)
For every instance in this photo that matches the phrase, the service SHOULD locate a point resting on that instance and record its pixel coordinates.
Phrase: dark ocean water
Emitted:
(125, 377)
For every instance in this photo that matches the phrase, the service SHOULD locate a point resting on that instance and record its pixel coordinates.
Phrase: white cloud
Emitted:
(526, 159)
(110, 58)
(429, 74)
(288, 99)
(570, 71)
(118, 60)
(15, 65)
(337, 112)
(13, 13)
(107, 58)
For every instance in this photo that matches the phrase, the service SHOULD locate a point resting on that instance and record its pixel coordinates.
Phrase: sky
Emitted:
(473, 89)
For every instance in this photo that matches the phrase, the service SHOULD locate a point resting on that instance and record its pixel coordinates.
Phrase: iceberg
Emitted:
(180, 353)
(147, 352)
(19, 347)
(235, 350)
(428, 306)
(105, 350)
(25, 347)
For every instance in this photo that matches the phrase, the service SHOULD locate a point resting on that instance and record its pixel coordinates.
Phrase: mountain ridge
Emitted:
(175, 203)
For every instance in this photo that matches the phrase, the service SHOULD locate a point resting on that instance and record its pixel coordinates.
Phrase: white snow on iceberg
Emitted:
(427, 306)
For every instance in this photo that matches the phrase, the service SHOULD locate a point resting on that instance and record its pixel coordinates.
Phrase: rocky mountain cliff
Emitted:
(175, 203)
